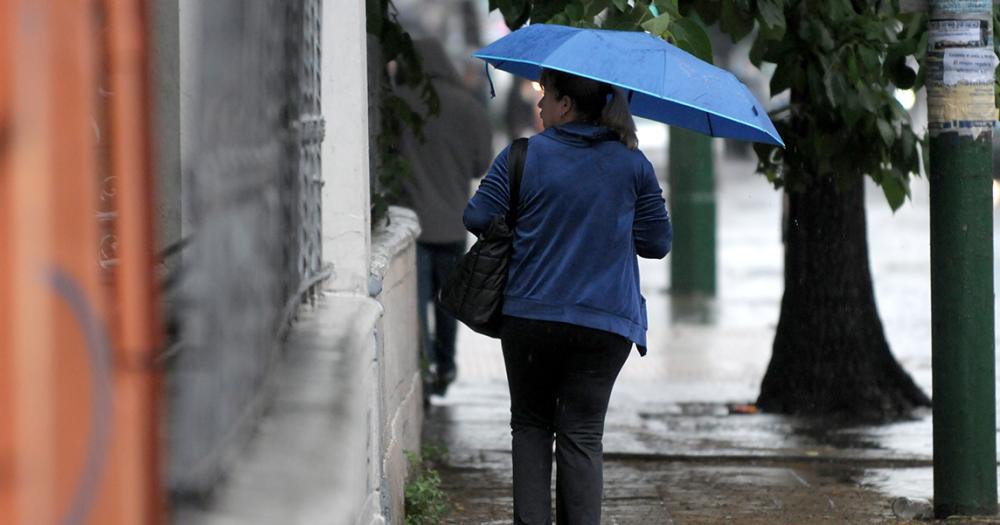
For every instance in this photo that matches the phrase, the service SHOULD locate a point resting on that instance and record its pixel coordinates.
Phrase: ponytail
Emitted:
(617, 117)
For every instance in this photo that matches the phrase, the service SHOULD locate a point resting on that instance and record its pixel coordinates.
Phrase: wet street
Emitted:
(675, 452)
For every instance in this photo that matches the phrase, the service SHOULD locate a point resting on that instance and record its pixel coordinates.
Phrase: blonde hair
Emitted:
(595, 101)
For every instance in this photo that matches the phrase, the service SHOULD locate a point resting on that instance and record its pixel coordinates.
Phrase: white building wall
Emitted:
(390, 405)
(346, 201)
(358, 346)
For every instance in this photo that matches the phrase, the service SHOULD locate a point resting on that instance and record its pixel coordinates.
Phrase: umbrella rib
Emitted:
(708, 117)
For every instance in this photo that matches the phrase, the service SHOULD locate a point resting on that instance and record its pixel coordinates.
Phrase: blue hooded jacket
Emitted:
(587, 207)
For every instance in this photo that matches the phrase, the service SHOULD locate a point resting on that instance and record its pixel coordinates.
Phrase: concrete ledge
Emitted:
(403, 434)
(393, 274)
(344, 404)
(399, 231)
(303, 466)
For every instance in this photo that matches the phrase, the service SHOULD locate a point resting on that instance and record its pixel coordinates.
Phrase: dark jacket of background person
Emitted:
(588, 206)
(457, 147)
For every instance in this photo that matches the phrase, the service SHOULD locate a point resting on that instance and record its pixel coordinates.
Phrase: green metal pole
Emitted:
(692, 209)
(961, 227)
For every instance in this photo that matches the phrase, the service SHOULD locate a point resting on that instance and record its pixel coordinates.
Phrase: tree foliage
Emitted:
(659, 17)
(395, 114)
(841, 59)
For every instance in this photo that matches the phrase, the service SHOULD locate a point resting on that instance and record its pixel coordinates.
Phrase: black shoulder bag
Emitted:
(473, 293)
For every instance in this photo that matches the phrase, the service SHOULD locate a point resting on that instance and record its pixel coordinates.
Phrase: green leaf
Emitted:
(691, 37)
(592, 8)
(515, 12)
(783, 50)
(660, 25)
(542, 12)
(907, 146)
(921, 47)
(616, 21)
(642, 13)
(852, 63)
(903, 48)
(669, 7)
(392, 41)
(628, 20)
(836, 86)
(869, 60)
(735, 21)
(823, 37)
(852, 112)
(895, 189)
(621, 5)
(771, 17)
(885, 131)
(574, 12)
(864, 96)
(709, 12)
(374, 16)
(913, 24)
(816, 91)
(784, 77)
(839, 11)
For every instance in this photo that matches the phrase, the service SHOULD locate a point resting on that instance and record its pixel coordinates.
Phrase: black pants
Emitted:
(560, 378)
(434, 263)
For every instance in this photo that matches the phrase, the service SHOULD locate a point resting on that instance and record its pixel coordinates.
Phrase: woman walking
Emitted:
(589, 203)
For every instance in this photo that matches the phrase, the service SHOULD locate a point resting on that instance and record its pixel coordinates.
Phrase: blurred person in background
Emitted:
(456, 148)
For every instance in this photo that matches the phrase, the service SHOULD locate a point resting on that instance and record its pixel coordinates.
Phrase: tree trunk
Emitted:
(830, 355)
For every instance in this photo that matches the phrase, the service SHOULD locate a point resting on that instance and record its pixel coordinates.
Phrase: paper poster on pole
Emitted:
(961, 6)
(968, 66)
(967, 102)
(960, 90)
(943, 34)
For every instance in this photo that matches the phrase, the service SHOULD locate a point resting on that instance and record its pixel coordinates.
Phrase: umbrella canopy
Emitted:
(664, 83)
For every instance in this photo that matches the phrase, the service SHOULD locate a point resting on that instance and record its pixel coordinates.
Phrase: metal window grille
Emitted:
(252, 199)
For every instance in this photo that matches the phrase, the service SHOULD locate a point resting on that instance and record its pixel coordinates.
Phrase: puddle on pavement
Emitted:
(694, 309)
(712, 428)
(687, 409)
(901, 482)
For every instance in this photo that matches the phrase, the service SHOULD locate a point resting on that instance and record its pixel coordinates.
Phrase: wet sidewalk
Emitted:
(674, 450)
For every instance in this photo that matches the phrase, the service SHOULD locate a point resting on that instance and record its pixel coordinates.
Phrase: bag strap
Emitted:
(515, 166)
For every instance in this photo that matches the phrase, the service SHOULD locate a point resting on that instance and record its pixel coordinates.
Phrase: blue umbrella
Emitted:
(663, 82)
